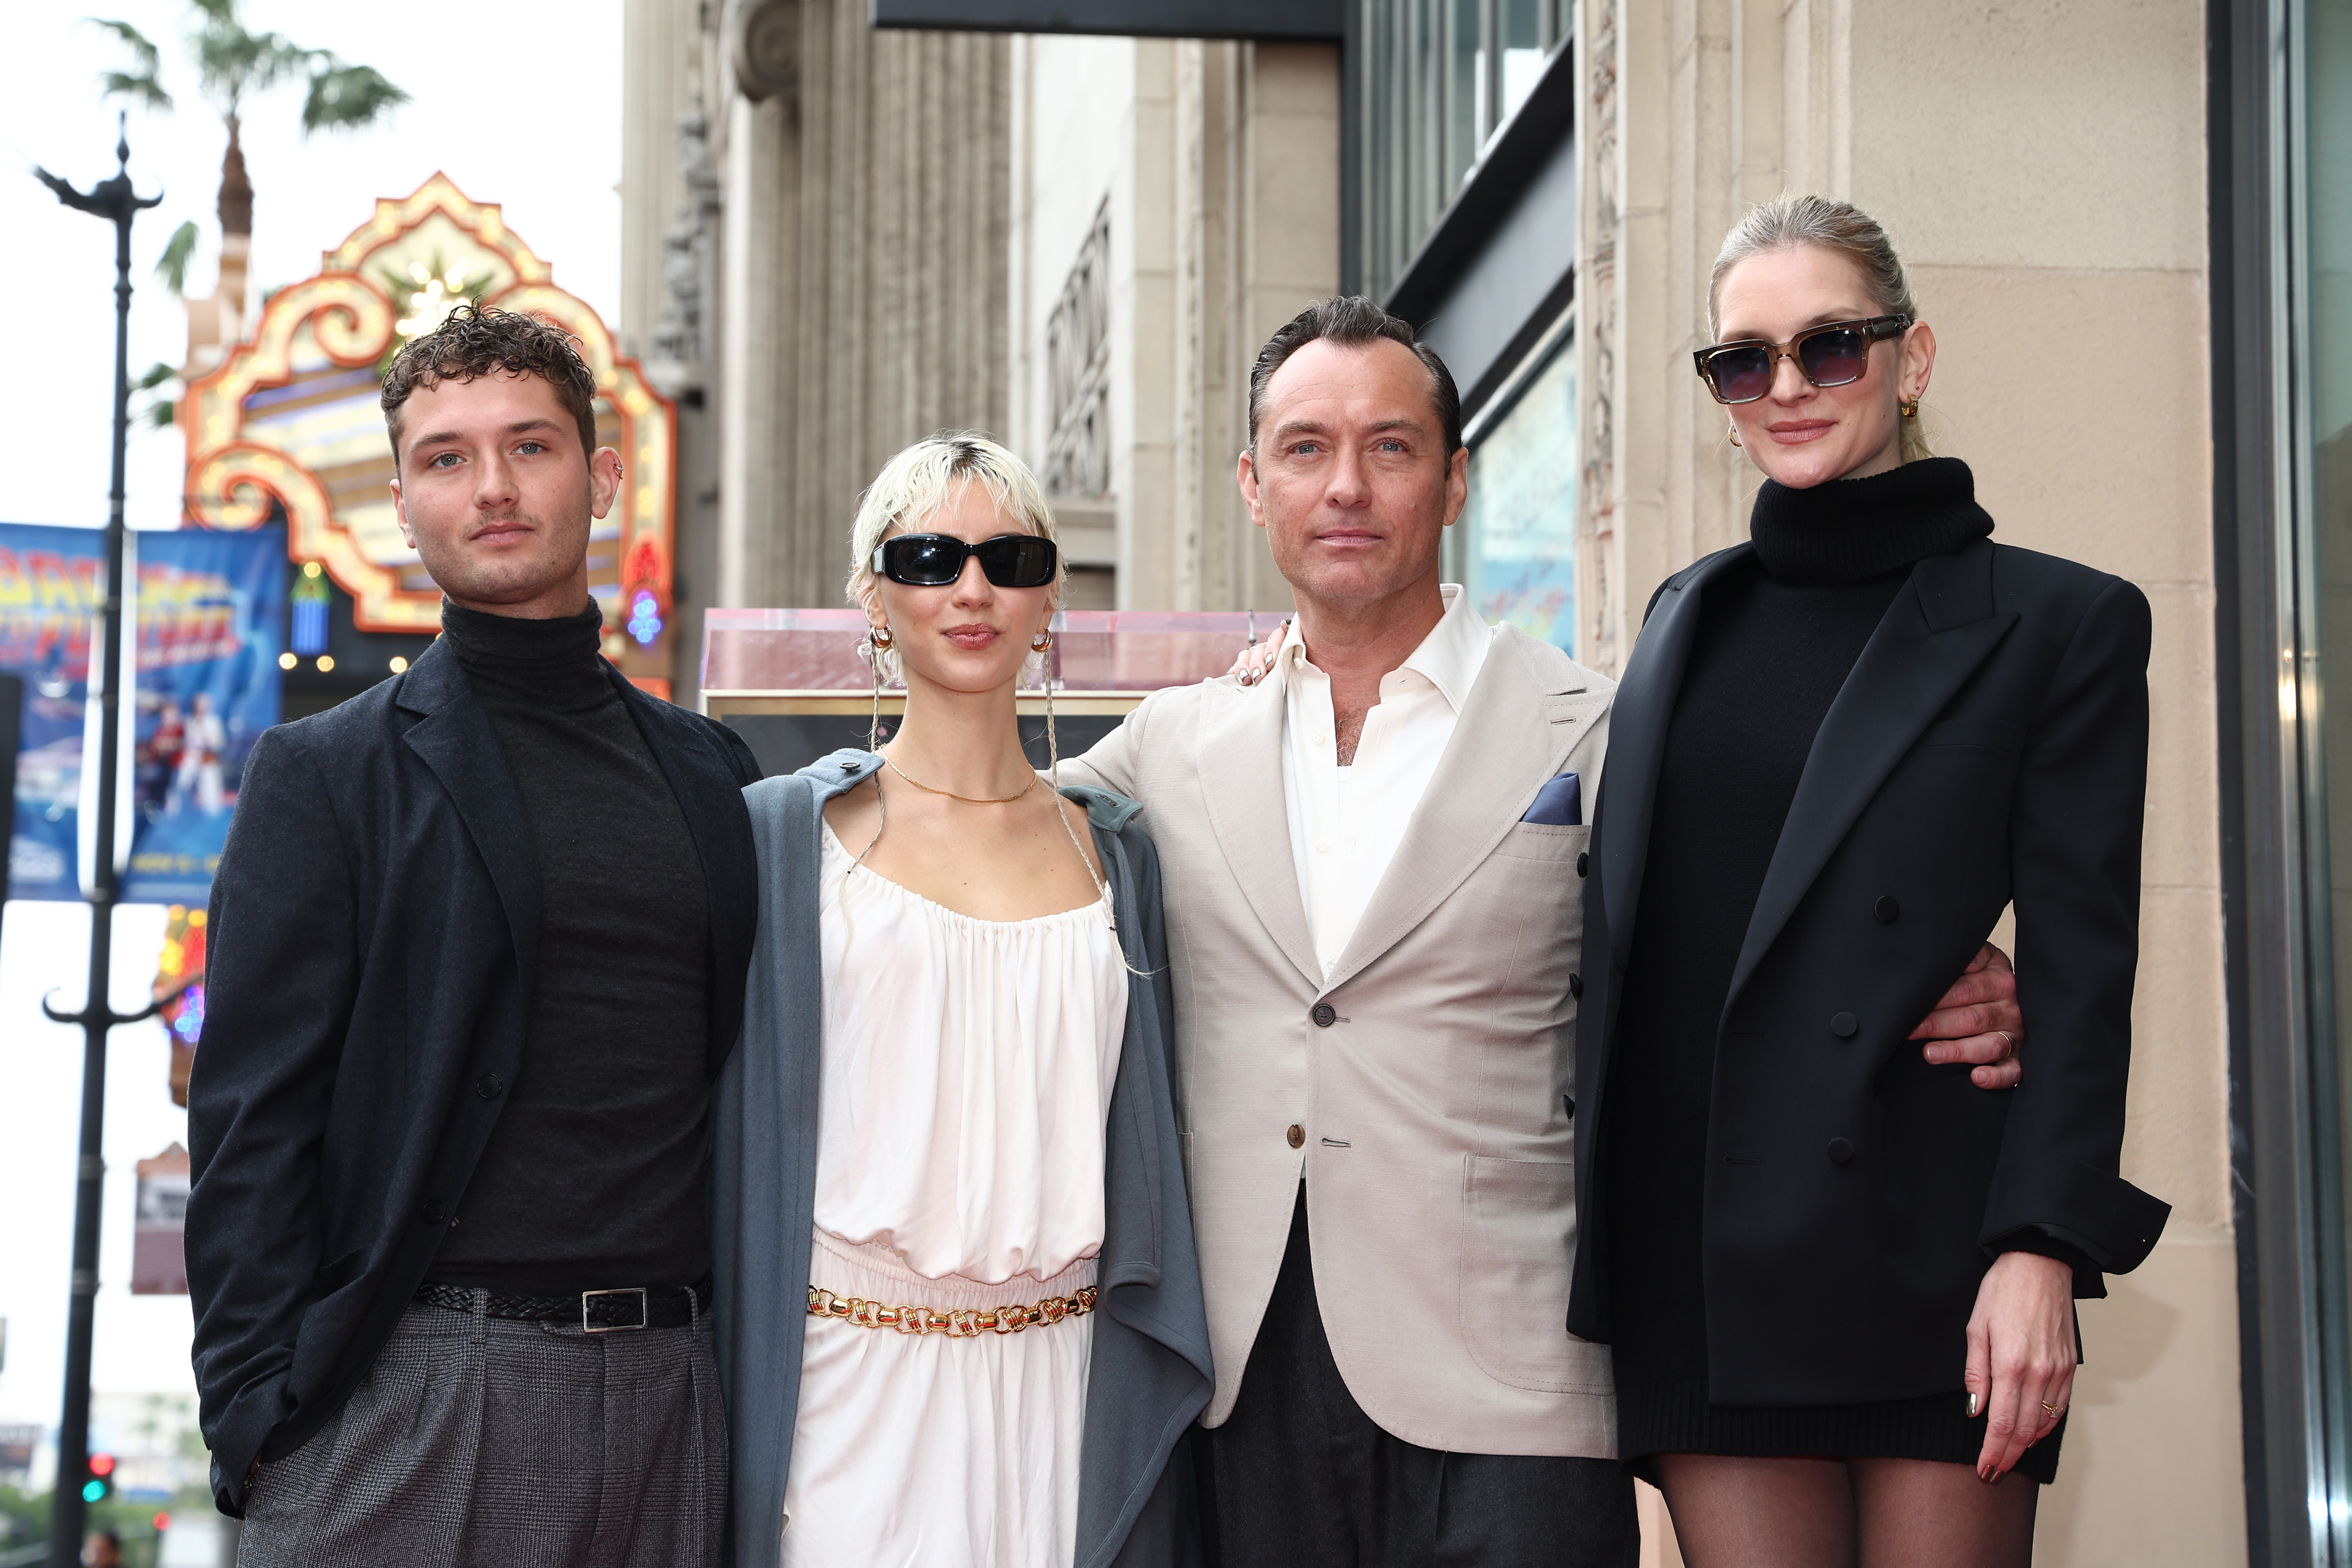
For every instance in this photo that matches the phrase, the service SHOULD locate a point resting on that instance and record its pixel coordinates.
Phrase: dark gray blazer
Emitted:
(1150, 1374)
(375, 933)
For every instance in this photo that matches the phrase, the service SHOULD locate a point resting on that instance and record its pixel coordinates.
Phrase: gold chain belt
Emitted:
(967, 1323)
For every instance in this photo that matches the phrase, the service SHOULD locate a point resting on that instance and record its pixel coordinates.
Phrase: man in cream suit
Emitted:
(1370, 862)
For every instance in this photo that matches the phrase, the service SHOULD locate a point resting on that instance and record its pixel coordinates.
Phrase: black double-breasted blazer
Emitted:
(373, 945)
(1989, 746)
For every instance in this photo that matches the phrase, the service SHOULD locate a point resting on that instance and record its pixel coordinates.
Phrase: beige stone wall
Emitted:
(2042, 168)
(1220, 165)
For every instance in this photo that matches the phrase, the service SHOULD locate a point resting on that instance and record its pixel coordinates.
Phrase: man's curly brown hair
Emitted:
(477, 340)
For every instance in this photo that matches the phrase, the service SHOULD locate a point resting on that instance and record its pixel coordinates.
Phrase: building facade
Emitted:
(2126, 220)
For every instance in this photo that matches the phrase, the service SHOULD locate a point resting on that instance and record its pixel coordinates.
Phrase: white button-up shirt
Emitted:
(1345, 823)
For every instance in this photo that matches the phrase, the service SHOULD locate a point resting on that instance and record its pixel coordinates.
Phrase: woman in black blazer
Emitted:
(1839, 1280)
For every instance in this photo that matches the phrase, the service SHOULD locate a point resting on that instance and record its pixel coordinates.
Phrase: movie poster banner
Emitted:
(211, 624)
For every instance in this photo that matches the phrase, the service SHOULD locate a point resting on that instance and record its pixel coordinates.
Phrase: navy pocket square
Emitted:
(1559, 803)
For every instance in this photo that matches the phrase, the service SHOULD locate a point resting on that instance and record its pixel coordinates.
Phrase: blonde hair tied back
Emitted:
(916, 485)
(1793, 220)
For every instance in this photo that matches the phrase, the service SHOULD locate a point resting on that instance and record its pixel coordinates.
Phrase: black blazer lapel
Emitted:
(1639, 717)
(454, 737)
(710, 797)
(1939, 628)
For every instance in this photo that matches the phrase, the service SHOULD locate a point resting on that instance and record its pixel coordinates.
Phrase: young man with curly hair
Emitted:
(480, 937)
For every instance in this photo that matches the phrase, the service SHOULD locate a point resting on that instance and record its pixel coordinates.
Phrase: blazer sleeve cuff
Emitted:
(2114, 1223)
(2090, 1282)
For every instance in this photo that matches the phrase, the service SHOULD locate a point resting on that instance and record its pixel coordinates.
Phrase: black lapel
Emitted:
(702, 781)
(1939, 628)
(1639, 717)
(455, 738)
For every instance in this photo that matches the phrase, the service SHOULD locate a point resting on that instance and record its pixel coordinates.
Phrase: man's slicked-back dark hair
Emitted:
(476, 342)
(1354, 320)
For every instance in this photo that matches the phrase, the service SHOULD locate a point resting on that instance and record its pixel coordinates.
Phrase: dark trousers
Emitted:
(481, 1442)
(1300, 1477)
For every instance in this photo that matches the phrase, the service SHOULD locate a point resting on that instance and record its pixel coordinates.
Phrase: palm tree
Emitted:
(234, 65)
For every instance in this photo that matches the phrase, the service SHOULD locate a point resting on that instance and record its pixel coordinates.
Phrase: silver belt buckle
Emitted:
(588, 1328)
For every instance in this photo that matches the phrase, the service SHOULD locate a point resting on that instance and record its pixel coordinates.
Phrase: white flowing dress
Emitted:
(967, 1079)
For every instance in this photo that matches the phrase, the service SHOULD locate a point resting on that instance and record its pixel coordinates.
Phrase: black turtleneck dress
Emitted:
(593, 1176)
(1777, 638)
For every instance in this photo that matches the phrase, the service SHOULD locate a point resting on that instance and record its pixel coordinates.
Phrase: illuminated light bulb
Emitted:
(287, 661)
(326, 662)
(398, 664)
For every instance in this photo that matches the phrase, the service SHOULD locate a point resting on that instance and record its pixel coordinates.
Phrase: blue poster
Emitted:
(211, 623)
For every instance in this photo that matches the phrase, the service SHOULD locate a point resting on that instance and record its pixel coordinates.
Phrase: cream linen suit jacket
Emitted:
(1435, 1140)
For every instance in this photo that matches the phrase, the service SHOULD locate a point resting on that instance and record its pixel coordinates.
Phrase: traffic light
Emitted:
(100, 1485)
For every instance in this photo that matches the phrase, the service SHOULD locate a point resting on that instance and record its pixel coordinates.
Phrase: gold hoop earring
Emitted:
(1910, 408)
(1041, 642)
(1734, 433)
(882, 636)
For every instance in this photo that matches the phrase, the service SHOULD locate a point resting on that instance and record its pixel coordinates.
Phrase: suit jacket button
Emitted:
(1324, 1014)
(434, 1214)
(1297, 1135)
(1583, 861)
(1840, 1150)
(490, 1086)
(1886, 910)
(1576, 986)
(1843, 1025)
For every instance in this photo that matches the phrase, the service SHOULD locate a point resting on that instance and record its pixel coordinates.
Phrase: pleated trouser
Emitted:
(481, 1442)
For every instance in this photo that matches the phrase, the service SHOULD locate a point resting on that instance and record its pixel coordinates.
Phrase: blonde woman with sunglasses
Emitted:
(1839, 1281)
(959, 1316)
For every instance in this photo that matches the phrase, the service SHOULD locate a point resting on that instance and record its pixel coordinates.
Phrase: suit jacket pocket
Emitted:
(1544, 841)
(1518, 1242)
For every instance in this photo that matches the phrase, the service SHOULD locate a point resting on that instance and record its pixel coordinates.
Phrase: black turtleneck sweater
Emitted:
(1777, 637)
(594, 1176)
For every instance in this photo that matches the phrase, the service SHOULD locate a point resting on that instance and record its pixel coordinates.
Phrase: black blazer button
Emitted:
(1886, 910)
(1576, 986)
(1583, 862)
(1324, 1014)
(434, 1214)
(490, 1086)
(1843, 1025)
(1840, 1150)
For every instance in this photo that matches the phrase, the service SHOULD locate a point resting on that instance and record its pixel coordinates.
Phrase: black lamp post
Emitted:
(113, 200)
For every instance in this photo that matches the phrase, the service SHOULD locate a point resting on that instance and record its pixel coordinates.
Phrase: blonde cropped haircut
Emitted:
(915, 486)
(1794, 220)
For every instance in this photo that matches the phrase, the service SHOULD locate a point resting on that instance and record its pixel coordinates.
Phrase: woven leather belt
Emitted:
(965, 1323)
(596, 1312)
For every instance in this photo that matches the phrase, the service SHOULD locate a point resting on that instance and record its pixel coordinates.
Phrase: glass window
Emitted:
(2320, 355)
(1440, 78)
(1518, 553)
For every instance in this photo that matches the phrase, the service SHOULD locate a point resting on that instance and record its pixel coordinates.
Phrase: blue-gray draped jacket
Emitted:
(1150, 1374)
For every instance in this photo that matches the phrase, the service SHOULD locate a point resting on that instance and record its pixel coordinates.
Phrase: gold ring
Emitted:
(2008, 1053)
(2054, 1409)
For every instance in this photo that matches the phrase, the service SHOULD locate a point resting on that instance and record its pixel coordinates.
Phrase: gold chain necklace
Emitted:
(967, 800)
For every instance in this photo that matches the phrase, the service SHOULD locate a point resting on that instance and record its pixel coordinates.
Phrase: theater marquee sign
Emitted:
(289, 423)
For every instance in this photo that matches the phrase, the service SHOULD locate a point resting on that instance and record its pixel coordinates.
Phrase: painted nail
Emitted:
(1989, 1475)
(1975, 1401)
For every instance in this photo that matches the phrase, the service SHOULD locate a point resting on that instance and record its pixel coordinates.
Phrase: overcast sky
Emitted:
(519, 104)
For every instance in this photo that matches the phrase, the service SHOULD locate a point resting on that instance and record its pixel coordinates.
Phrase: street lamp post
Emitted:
(113, 200)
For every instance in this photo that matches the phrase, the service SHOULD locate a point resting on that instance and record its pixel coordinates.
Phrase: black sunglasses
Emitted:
(1835, 355)
(936, 559)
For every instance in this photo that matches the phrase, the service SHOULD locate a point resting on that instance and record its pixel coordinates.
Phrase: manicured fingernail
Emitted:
(1974, 1401)
(1989, 1475)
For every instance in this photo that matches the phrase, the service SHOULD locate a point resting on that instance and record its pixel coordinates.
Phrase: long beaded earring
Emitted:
(878, 641)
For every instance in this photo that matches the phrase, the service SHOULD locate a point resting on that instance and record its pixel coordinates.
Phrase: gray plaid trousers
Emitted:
(480, 1442)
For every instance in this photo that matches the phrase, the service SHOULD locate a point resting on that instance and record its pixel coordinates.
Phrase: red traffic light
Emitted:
(101, 1463)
